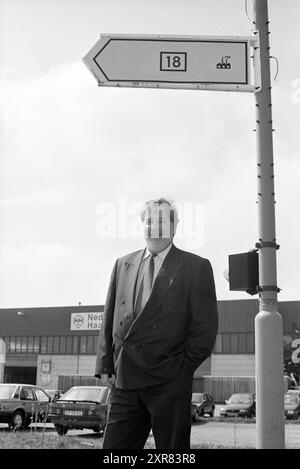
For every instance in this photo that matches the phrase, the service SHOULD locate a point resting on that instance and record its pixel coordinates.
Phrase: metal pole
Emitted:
(268, 322)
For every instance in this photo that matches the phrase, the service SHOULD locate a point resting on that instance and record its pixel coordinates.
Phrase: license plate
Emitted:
(73, 412)
(290, 412)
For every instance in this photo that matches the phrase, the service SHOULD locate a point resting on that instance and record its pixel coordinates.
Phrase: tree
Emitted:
(291, 353)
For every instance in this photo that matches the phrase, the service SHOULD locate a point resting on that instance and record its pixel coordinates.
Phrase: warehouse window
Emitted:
(18, 344)
(242, 343)
(49, 344)
(52, 344)
(226, 343)
(90, 342)
(95, 344)
(234, 343)
(62, 344)
(36, 344)
(24, 344)
(44, 344)
(218, 344)
(56, 344)
(76, 344)
(250, 343)
(69, 344)
(30, 344)
(83, 344)
(11, 341)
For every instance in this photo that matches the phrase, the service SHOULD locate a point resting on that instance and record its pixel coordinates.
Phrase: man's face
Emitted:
(158, 227)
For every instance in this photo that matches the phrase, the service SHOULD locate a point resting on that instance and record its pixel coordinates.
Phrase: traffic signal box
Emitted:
(243, 272)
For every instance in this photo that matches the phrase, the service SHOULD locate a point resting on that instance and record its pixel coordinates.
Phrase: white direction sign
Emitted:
(189, 62)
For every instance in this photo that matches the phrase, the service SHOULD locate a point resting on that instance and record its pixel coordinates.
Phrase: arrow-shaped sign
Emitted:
(191, 62)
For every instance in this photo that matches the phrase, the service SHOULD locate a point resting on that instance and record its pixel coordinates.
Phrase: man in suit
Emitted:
(159, 324)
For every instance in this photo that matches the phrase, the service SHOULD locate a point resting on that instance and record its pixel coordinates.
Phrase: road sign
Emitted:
(188, 62)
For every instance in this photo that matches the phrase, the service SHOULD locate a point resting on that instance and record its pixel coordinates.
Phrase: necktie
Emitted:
(146, 284)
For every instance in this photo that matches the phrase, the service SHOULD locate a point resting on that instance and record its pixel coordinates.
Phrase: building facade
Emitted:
(45, 346)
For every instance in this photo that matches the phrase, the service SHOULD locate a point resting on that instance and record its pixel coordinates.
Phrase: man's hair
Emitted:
(162, 200)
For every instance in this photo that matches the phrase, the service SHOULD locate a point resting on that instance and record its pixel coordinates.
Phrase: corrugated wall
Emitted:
(233, 365)
(234, 316)
(239, 315)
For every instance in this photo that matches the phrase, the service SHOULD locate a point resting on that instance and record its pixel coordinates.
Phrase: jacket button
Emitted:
(154, 326)
(122, 301)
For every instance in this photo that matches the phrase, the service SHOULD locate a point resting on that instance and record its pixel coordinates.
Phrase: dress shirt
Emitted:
(158, 260)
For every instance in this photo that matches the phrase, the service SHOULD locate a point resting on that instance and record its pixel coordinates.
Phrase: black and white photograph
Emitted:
(149, 227)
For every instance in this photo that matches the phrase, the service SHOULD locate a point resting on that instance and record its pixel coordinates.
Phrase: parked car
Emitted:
(80, 407)
(292, 404)
(202, 403)
(54, 394)
(22, 404)
(239, 405)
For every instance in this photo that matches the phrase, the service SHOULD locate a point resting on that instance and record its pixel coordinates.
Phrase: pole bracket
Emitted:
(268, 288)
(267, 244)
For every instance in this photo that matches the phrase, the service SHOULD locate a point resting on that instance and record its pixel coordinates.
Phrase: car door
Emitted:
(27, 398)
(42, 403)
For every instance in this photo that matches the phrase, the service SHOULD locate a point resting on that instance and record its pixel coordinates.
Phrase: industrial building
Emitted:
(54, 347)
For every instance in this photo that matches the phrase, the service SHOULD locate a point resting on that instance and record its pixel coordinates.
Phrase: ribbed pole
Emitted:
(268, 322)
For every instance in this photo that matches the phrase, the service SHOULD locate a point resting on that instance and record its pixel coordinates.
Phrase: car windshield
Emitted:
(197, 398)
(82, 394)
(291, 399)
(240, 399)
(6, 391)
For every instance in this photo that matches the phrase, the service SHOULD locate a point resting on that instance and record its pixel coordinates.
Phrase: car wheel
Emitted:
(17, 420)
(61, 429)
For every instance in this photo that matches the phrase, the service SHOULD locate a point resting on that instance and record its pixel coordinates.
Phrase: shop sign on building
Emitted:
(85, 321)
(46, 371)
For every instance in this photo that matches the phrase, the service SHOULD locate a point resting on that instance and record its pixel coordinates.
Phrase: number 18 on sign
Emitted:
(187, 62)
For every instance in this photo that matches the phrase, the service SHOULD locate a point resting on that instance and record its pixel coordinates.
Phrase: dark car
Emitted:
(80, 407)
(202, 403)
(239, 405)
(292, 405)
(22, 404)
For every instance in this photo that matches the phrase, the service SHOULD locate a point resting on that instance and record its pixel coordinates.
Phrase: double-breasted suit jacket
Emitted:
(176, 329)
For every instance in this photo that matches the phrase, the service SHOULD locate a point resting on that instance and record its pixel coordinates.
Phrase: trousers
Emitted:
(165, 408)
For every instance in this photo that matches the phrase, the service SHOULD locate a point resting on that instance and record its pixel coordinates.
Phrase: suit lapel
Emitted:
(132, 268)
(164, 280)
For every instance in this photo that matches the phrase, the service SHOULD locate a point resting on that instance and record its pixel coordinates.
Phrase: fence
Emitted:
(65, 382)
(221, 387)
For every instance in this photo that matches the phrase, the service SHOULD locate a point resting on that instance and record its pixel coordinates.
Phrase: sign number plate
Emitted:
(173, 61)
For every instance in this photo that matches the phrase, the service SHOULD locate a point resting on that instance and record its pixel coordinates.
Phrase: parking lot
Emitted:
(208, 433)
